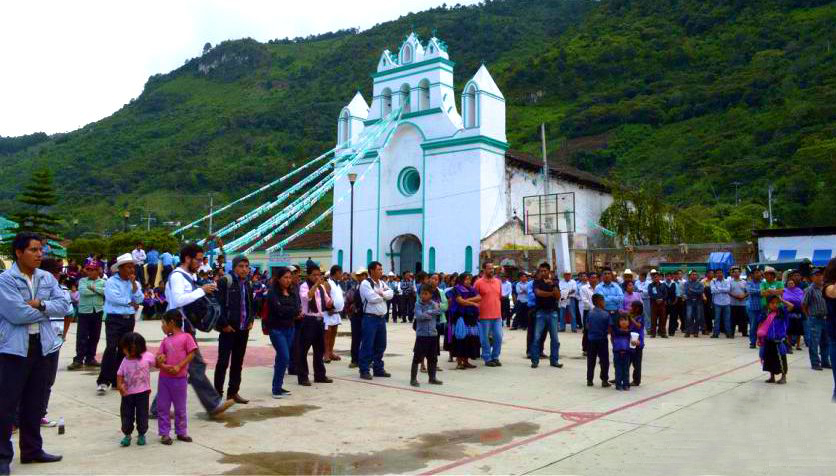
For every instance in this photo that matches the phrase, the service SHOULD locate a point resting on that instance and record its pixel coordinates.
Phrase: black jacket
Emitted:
(281, 310)
(229, 297)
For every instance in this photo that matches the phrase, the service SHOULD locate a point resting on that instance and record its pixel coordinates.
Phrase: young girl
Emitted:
(176, 351)
(772, 334)
(133, 380)
(636, 317)
(621, 353)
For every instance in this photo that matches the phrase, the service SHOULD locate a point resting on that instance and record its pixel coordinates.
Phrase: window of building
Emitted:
(409, 181)
(407, 55)
(468, 259)
(343, 132)
(340, 258)
(423, 95)
(386, 102)
(469, 106)
(432, 259)
(369, 257)
(405, 98)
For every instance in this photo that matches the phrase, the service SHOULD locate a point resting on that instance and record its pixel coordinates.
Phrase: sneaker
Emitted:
(140, 441)
(101, 389)
(126, 441)
(75, 366)
(285, 392)
(277, 396)
(166, 440)
(48, 423)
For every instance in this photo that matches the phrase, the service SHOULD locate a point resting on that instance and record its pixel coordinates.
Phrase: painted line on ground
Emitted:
(510, 446)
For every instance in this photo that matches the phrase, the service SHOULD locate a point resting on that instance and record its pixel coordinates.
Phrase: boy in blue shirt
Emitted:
(598, 324)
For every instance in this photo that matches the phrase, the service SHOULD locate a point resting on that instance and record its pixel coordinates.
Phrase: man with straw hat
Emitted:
(123, 296)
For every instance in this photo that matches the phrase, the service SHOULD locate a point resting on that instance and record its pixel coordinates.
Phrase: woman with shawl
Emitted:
(794, 295)
(772, 334)
(465, 344)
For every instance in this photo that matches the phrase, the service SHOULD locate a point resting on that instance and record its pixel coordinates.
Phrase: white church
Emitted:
(444, 187)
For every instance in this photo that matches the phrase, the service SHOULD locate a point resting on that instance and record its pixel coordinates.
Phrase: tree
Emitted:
(207, 47)
(35, 201)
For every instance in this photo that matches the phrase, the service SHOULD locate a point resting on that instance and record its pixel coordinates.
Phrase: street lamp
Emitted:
(126, 215)
(351, 179)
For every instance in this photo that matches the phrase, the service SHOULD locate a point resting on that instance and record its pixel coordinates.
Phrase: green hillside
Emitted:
(690, 95)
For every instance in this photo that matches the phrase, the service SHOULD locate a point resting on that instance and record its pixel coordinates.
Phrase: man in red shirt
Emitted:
(490, 315)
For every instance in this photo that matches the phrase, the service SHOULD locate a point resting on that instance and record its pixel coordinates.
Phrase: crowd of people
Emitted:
(461, 314)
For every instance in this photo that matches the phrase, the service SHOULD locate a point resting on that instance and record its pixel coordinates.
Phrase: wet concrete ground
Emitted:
(702, 408)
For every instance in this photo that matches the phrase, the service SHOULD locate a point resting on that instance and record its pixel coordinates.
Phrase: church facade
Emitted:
(440, 183)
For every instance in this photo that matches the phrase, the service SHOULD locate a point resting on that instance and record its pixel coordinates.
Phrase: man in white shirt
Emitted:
(373, 296)
(505, 299)
(182, 290)
(333, 317)
(586, 291)
(205, 266)
(568, 291)
(138, 254)
(521, 303)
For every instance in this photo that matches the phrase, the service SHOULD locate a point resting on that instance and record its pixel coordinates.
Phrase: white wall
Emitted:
(768, 247)
(589, 203)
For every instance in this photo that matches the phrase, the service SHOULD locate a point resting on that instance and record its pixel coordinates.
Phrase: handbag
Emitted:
(460, 329)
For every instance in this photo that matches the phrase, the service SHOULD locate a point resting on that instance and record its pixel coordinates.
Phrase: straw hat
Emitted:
(769, 269)
(361, 271)
(653, 271)
(122, 259)
(627, 271)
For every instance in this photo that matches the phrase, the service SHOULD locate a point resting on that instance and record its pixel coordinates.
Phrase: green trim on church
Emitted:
(465, 140)
(405, 211)
(407, 67)
(425, 112)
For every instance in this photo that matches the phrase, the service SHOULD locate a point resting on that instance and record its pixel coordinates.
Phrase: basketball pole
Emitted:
(549, 255)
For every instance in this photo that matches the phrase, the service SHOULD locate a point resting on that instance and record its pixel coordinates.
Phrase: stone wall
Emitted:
(643, 258)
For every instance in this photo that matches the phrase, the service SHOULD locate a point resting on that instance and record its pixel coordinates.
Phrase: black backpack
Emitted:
(204, 313)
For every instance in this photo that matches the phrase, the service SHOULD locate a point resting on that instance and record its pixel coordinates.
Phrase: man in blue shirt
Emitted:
(167, 260)
(123, 295)
(152, 259)
(753, 308)
(28, 298)
(658, 292)
(612, 294)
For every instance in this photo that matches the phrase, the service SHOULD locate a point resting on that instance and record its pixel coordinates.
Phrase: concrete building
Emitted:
(442, 182)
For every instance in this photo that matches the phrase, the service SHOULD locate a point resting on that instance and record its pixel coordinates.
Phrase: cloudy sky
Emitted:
(66, 64)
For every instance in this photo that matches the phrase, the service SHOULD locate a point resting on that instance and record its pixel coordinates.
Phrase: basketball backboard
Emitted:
(553, 213)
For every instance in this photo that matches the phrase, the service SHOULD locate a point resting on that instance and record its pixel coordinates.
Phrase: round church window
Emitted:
(409, 181)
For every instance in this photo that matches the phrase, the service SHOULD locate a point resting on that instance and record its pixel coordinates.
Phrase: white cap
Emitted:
(653, 271)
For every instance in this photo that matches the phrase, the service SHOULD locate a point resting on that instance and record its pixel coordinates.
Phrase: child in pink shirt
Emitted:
(133, 380)
(176, 351)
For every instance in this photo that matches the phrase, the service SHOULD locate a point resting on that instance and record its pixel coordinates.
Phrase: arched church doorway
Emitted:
(406, 252)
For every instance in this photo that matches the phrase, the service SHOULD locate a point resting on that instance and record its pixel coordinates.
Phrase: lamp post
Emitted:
(126, 215)
(351, 179)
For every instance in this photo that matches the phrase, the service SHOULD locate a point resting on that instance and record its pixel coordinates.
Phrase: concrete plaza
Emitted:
(702, 408)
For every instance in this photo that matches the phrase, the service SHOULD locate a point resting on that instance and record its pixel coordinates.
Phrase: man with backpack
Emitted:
(354, 308)
(183, 293)
(373, 295)
(235, 296)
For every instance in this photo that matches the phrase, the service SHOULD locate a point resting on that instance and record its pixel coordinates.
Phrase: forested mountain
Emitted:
(687, 95)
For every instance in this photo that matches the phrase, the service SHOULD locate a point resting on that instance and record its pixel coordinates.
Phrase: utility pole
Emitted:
(546, 192)
(211, 206)
(769, 190)
(736, 196)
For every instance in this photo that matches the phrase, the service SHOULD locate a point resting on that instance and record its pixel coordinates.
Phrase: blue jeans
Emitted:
(543, 319)
(562, 320)
(646, 308)
(281, 339)
(818, 343)
(488, 327)
(722, 315)
(754, 319)
(694, 321)
(621, 359)
(373, 344)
